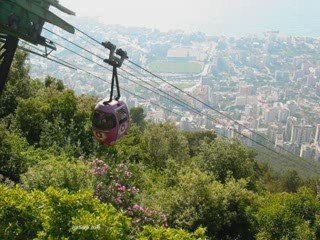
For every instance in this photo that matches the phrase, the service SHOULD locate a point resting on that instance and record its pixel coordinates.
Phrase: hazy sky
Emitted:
(216, 16)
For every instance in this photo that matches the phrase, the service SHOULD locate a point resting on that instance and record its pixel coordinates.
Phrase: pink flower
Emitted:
(118, 200)
(99, 167)
(133, 190)
(120, 187)
(137, 207)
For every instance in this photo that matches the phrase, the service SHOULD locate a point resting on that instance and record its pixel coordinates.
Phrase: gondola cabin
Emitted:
(110, 121)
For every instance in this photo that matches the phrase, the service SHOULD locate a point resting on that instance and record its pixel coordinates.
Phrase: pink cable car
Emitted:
(110, 121)
(111, 117)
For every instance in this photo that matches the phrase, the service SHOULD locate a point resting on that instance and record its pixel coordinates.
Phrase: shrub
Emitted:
(161, 233)
(20, 213)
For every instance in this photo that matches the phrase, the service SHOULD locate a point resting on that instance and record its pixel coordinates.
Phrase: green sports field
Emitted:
(175, 67)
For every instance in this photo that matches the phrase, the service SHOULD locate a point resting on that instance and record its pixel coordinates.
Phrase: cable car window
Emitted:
(122, 115)
(104, 121)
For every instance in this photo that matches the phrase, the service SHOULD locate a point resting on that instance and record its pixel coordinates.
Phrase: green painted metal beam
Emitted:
(56, 4)
(44, 13)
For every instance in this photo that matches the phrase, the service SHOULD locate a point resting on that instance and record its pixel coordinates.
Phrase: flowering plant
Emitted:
(113, 186)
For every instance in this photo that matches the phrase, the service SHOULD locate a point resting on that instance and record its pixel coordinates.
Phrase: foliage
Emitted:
(289, 216)
(20, 213)
(195, 138)
(80, 216)
(137, 117)
(12, 160)
(60, 174)
(113, 186)
(130, 147)
(30, 118)
(291, 181)
(161, 142)
(225, 210)
(192, 198)
(161, 233)
(57, 214)
(224, 159)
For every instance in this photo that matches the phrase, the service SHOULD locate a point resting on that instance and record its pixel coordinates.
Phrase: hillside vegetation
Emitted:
(156, 183)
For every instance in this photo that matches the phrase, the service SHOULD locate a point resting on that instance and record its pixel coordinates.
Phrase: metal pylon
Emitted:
(7, 52)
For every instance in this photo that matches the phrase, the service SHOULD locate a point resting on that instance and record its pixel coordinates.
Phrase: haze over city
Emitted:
(214, 17)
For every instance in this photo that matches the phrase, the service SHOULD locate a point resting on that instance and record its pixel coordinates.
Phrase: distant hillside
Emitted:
(307, 168)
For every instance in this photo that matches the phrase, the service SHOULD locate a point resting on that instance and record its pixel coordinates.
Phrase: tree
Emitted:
(138, 116)
(224, 159)
(161, 142)
(56, 214)
(31, 115)
(291, 181)
(64, 173)
(289, 216)
(12, 160)
(195, 138)
(130, 148)
(195, 199)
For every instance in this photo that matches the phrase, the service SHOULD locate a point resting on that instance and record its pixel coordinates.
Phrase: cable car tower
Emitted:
(24, 19)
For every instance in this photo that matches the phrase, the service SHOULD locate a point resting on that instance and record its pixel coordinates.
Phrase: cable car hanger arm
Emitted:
(115, 62)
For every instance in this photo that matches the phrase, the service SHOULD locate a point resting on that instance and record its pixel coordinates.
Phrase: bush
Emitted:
(20, 213)
(57, 214)
(113, 185)
(226, 158)
(160, 233)
(60, 174)
(289, 216)
(80, 216)
(225, 210)
(12, 161)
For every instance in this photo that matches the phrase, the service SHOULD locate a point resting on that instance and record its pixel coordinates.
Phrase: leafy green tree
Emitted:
(137, 116)
(12, 160)
(57, 214)
(291, 181)
(20, 213)
(192, 198)
(289, 216)
(48, 81)
(30, 118)
(129, 148)
(224, 210)
(62, 105)
(60, 174)
(225, 159)
(51, 81)
(80, 216)
(161, 142)
(160, 233)
(195, 139)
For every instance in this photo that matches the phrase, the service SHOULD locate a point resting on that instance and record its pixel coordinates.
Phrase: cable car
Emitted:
(110, 120)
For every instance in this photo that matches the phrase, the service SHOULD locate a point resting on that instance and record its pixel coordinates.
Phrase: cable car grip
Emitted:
(115, 62)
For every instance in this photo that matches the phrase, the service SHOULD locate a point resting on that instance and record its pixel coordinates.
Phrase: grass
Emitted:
(175, 67)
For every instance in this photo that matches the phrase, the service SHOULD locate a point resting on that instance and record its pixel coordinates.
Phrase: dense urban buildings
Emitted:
(269, 84)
